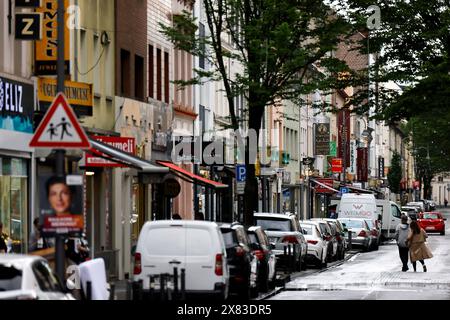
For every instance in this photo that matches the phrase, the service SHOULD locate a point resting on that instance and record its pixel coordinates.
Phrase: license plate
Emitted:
(429, 228)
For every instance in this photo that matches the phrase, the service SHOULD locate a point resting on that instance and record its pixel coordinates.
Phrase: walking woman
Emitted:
(418, 249)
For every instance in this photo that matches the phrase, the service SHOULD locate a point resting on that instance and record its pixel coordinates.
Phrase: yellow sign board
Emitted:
(47, 48)
(77, 93)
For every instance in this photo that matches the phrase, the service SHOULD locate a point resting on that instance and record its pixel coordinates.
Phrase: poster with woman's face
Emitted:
(61, 205)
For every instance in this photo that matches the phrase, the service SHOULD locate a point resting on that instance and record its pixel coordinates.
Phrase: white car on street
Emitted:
(24, 277)
(317, 243)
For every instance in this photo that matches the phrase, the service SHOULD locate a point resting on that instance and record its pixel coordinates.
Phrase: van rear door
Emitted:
(202, 247)
(163, 248)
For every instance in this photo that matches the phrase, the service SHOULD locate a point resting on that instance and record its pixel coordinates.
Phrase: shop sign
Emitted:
(78, 94)
(16, 105)
(322, 145)
(333, 149)
(47, 49)
(61, 205)
(125, 144)
(352, 167)
(380, 167)
(28, 26)
(336, 165)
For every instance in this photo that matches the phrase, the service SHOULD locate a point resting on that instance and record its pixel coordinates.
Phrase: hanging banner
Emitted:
(380, 167)
(333, 149)
(47, 49)
(352, 163)
(344, 136)
(322, 145)
(362, 164)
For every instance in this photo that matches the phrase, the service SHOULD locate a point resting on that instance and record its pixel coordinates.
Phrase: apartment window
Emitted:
(201, 60)
(151, 72)
(158, 75)
(166, 77)
(125, 73)
(202, 118)
(139, 77)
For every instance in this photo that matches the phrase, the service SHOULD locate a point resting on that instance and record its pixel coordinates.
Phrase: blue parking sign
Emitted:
(344, 190)
(241, 173)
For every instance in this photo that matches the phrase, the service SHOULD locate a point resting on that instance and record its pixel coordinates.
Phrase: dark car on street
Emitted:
(241, 260)
(262, 249)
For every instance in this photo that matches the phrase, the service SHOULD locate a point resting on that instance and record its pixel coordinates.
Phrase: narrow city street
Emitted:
(377, 275)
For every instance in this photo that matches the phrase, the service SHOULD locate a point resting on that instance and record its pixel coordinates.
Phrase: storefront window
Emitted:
(13, 200)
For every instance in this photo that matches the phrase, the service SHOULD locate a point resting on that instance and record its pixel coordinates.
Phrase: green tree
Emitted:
(280, 44)
(395, 173)
(413, 43)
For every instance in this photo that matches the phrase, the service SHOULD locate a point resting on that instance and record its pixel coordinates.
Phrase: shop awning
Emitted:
(359, 189)
(191, 177)
(324, 186)
(119, 156)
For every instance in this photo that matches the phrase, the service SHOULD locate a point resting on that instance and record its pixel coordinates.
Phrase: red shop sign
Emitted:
(321, 189)
(125, 144)
(336, 165)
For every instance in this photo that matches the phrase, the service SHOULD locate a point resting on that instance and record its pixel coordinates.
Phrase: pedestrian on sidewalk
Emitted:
(445, 203)
(401, 235)
(418, 249)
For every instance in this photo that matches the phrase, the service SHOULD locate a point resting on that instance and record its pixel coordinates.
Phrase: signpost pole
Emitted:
(60, 154)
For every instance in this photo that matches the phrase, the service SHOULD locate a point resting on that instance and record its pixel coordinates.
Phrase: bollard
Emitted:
(88, 290)
(175, 283)
(349, 245)
(128, 290)
(162, 286)
(112, 291)
(152, 287)
(286, 256)
(289, 261)
(183, 284)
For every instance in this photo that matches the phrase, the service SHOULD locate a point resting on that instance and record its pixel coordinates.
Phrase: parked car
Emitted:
(327, 230)
(262, 249)
(432, 222)
(339, 231)
(360, 232)
(25, 277)
(418, 204)
(374, 234)
(242, 263)
(411, 212)
(317, 244)
(196, 246)
(284, 230)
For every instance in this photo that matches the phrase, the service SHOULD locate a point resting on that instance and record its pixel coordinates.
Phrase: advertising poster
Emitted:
(61, 205)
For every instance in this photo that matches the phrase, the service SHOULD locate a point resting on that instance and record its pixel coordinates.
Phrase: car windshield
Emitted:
(353, 223)
(10, 278)
(229, 238)
(431, 216)
(270, 224)
(253, 238)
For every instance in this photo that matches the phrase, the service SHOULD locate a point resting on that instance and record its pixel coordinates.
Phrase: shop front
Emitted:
(17, 170)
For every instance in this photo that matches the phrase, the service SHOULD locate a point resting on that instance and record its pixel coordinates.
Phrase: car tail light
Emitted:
(374, 232)
(219, 265)
(259, 254)
(137, 263)
(338, 238)
(240, 252)
(362, 234)
(313, 241)
(290, 239)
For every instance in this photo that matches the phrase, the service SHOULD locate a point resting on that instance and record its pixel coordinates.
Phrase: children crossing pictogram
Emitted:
(60, 128)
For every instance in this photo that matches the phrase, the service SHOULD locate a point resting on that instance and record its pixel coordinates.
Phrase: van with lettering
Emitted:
(362, 206)
(195, 248)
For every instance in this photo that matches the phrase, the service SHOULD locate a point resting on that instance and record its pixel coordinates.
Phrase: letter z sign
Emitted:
(29, 26)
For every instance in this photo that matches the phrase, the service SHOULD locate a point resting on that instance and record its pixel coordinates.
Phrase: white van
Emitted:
(196, 246)
(391, 217)
(356, 205)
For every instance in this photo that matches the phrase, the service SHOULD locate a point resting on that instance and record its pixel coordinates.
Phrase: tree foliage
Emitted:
(395, 173)
(283, 47)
